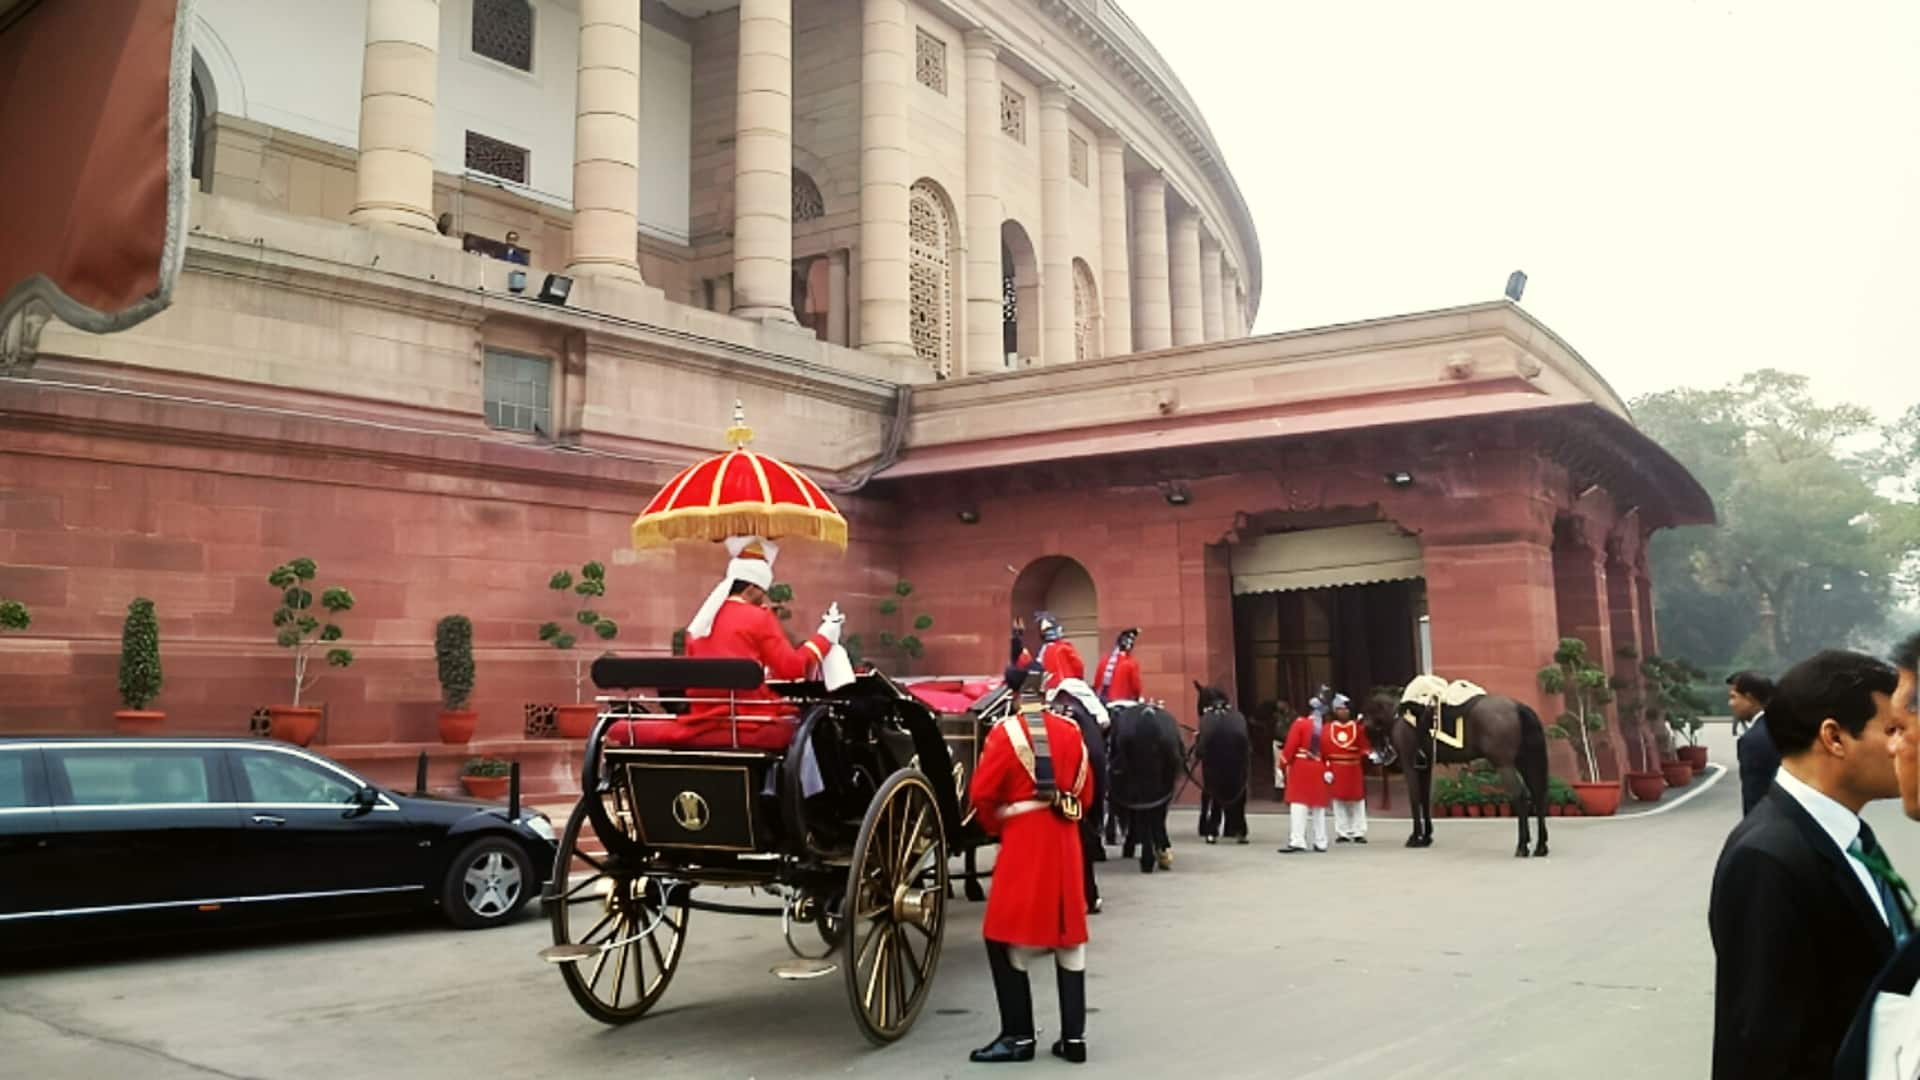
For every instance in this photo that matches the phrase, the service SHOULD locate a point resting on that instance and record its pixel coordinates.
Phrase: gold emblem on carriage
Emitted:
(691, 811)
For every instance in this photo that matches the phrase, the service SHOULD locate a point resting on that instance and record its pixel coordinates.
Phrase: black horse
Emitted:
(1222, 749)
(1504, 731)
(1147, 759)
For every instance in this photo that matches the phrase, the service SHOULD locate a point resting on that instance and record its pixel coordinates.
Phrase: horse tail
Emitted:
(1533, 746)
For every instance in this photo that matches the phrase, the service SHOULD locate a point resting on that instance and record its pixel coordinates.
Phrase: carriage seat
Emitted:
(672, 677)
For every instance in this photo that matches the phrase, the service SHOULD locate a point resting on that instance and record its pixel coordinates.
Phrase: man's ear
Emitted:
(1831, 729)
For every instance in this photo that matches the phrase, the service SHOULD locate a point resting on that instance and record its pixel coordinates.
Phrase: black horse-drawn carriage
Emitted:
(843, 832)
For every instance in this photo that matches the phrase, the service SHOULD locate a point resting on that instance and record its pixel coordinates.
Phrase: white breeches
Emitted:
(1350, 818)
(1072, 959)
(1300, 816)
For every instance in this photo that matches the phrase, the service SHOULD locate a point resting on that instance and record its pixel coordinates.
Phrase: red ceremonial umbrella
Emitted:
(740, 493)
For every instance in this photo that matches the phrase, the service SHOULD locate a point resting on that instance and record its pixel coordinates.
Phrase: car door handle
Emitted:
(268, 819)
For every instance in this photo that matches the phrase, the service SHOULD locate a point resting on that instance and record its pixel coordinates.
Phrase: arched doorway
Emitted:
(1062, 586)
(930, 285)
(1086, 313)
(1020, 295)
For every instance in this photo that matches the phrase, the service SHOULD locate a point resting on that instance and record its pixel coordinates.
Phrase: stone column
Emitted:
(393, 186)
(1056, 230)
(1115, 273)
(837, 296)
(1580, 602)
(1623, 610)
(1152, 307)
(606, 142)
(983, 352)
(885, 174)
(1183, 267)
(1213, 312)
(1236, 303)
(763, 163)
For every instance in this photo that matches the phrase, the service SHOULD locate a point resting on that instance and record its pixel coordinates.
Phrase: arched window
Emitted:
(503, 31)
(807, 203)
(1086, 313)
(930, 281)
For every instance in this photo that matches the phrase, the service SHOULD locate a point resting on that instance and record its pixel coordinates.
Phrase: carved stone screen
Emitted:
(494, 157)
(930, 62)
(1013, 113)
(503, 31)
(930, 280)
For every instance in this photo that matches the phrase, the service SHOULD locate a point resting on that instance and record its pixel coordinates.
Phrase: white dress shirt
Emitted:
(1838, 822)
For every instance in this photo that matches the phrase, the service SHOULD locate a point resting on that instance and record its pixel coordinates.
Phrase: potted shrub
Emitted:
(1671, 688)
(298, 630)
(575, 721)
(14, 615)
(1446, 797)
(1583, 687)
(453, 655)
(1561, 797)
(140, 677)
(486, 777)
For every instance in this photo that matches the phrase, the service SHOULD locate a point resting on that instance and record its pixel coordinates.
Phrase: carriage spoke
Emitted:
(912, 839)
(620, 972)
(879, 962)
(572, 895)
(587, 938)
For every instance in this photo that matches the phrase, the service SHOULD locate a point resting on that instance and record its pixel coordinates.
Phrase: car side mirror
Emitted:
(366, 798)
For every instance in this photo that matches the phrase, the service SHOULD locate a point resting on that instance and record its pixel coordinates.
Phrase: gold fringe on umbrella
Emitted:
(716, 523)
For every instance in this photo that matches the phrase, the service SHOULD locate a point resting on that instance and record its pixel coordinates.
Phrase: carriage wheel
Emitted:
(618, 933)
(896, 896)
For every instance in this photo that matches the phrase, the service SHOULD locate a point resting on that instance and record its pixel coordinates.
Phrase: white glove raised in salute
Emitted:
(830, 624)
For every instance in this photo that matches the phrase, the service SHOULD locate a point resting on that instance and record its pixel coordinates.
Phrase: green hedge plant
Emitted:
(140, 677)
(14, 615)
(298, 629)
(487, 766)
(453, 653)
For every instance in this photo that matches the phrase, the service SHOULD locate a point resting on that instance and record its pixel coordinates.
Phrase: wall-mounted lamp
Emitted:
(1400, 479)
(969, 516)
(1176, 493)
(517, 281)
(554, 290)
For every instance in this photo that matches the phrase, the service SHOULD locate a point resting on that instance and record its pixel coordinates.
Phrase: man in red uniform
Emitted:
(1347, 750)
(1027, 789)
(735, 622)
(1057, 655)
(1120, 674)
(1308, 781)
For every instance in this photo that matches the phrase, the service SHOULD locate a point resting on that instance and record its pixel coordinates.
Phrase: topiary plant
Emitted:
(14, 615)
(487, 766)
(1584, 688)
(140, 677)
(453, 652)
(298, 629)
(907, 643)
(591, 584)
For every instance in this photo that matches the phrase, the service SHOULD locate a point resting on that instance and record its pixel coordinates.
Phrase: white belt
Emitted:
(1024, 806)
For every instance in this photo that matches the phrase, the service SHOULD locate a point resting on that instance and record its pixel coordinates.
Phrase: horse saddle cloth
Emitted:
(1451, 727)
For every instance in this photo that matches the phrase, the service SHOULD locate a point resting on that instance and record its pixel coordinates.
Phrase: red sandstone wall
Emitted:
(416, 526)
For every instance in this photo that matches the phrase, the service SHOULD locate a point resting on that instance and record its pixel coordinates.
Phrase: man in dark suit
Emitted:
(1900, 976)
(1805, 906)
(1747, 695)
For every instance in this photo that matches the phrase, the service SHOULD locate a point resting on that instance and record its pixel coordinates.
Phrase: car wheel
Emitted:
(487, 883)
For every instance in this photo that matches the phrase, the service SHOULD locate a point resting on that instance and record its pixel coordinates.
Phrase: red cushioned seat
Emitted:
(669, 734)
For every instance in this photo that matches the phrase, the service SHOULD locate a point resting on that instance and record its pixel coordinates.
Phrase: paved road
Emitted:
(1460, 961)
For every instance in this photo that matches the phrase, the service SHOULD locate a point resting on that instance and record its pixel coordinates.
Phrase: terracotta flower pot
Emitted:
(1695, 756)
(575, 721)
(486, 787)
(138, 721)
(297, 724)
(1677, 773)
(1598, 799)
(456, 725)
(1646, 786)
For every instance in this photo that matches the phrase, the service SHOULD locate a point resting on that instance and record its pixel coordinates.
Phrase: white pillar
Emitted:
(985, 316)
(606, 142)
(1236, 305)
(763, 163)
(885, 174)
(1115, 272)
(837, 296)
(1056, 230)
(1152, 303)
(1213, 312)
(393, 184)
(1183, 266)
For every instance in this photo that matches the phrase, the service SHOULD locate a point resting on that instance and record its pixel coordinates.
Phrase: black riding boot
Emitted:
(1015, 998)
(1072, 1043)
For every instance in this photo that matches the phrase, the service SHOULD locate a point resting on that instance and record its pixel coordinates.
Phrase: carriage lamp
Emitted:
(554, 290)
(1400, 479)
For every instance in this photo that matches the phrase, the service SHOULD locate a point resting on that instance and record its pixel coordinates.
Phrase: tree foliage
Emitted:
(298, 629)
(453, 655)
(1812, 533)
(14, 615)
(140, 675)
(591, 585)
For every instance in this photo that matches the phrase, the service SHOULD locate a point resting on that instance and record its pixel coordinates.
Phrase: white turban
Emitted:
(756, 571)
(1081, 692)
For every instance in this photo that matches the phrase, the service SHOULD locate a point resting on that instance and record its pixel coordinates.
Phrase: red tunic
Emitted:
(1059, 659)
(748, 632)
(1347, 746)
(1039, 897)
(1124, 684)
(1306, 773)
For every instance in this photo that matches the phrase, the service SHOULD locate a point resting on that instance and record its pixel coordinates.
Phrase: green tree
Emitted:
(592, 585)
(14, 615)
(140, 675)
(1808, 545)
(298, 629)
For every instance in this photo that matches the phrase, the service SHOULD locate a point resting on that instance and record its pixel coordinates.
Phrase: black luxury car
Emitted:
(129, 834)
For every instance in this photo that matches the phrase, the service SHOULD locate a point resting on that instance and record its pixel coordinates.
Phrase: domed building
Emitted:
(468, 280)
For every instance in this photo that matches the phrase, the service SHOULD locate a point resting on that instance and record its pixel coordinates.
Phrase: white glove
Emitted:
(830, 624)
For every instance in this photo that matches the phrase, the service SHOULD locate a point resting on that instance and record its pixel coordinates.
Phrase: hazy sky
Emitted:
(1694, 189)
